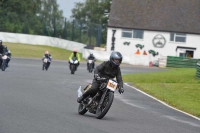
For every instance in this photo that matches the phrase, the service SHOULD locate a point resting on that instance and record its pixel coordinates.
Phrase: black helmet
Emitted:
(91, 54)
(116, 56)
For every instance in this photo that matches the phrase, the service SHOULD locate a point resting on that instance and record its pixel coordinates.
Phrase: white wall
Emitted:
(99, 55)
(168, 50)
(41, 40)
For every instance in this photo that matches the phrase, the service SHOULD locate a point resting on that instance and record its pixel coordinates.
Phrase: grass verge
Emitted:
(178, 87)
(37, 51)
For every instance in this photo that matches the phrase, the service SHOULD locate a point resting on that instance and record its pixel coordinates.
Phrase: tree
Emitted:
(92, 14)
(30, 16)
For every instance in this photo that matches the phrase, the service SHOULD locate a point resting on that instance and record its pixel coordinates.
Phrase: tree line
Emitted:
(43, 17)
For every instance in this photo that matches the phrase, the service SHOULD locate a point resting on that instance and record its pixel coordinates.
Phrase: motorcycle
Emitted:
(4, 62)
(73, 64)
(90, 65)
(102, 101)
(46, 63)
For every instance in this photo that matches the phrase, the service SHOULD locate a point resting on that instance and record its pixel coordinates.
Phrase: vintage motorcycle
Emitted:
(4, 62)
(102, 101)
(90, 65)
(73, 64)
(46, 63)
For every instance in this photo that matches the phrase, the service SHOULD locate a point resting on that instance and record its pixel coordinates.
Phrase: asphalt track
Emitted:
(36, 101)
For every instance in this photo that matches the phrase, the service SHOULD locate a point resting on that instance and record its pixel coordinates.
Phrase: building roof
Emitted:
(157, 15)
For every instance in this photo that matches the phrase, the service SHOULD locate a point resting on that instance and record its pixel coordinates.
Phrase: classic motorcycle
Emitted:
(73, 64)
(90, 65)
(46, 63)
(102, 101)
(4, 62)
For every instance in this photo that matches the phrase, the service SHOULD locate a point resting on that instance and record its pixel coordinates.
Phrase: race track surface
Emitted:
(37, 101)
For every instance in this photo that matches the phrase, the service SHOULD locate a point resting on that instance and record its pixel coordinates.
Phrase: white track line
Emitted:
(162, 102)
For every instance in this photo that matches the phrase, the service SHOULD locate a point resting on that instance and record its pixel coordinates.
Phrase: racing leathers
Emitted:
(106, 70)
(77, 55)
(91, 57)
(2, 52)
(49, 57)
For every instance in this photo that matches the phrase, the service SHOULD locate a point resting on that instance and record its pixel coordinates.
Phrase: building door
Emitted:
(189, 54)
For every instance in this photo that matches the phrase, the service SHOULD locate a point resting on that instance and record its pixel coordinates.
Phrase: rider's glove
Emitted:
(96, 76)
(121, 90)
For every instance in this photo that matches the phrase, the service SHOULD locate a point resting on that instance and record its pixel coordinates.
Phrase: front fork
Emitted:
(102, 99)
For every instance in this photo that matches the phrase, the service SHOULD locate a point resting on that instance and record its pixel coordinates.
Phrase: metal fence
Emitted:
(198, 70)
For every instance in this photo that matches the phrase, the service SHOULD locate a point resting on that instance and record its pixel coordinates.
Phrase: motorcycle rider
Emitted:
(107, 69)
(8, 53)
(49, 57)
(77, 55)
(2, 51)
(91, 57)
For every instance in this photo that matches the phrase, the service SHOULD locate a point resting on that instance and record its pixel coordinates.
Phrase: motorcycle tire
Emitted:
(109, 100)
(81, 109)
(3, 66)
(90, 68)
(43, 66)
(72, 69)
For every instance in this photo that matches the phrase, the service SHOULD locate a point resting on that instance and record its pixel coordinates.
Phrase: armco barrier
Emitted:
(198, 70)
(181, 62)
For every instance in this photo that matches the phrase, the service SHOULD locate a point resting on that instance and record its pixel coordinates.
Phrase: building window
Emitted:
(177, 37)
(138, 34)
(133, 33)
(127, 33)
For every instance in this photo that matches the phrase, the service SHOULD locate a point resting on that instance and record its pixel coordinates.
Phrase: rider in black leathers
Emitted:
(108, 69)
(2, 51)
(8, 53)
(91, 57)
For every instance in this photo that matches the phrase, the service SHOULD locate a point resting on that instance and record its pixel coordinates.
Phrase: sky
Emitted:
(66, 6)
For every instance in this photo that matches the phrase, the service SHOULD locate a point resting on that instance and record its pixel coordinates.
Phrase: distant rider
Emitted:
(91, 57)
(107, 69)
(2, 51)
(49, 57)
(8, 53)
(77, 55)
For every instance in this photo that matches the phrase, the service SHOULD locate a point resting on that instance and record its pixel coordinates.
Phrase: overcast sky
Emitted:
(66, 6)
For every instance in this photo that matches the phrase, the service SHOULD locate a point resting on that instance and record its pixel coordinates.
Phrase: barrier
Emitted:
(181, 62)
(198, 71)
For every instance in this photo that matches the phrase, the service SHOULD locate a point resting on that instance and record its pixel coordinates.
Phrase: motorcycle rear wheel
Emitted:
(102, 111)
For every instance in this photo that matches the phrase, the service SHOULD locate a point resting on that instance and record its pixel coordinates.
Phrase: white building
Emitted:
(146, 30)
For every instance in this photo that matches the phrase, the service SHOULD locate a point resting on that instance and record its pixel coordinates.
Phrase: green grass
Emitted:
(37, 51)
(178, 87)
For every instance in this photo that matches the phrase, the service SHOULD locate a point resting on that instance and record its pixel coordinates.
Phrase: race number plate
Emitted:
(45, 60)
(112, 85)
(90, 61)
(4, 57)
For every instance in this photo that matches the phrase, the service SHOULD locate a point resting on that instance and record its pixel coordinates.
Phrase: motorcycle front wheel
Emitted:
(90, 68)
(3, 66)
(72, 69)
(82, 109)
(102, 111)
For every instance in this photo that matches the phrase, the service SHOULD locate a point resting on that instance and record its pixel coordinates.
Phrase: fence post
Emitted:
(99, 35)
(65, 30)
(72, 30)
(198, 71)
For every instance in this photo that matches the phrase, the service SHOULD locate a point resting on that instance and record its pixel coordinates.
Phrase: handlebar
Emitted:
(101, 79)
